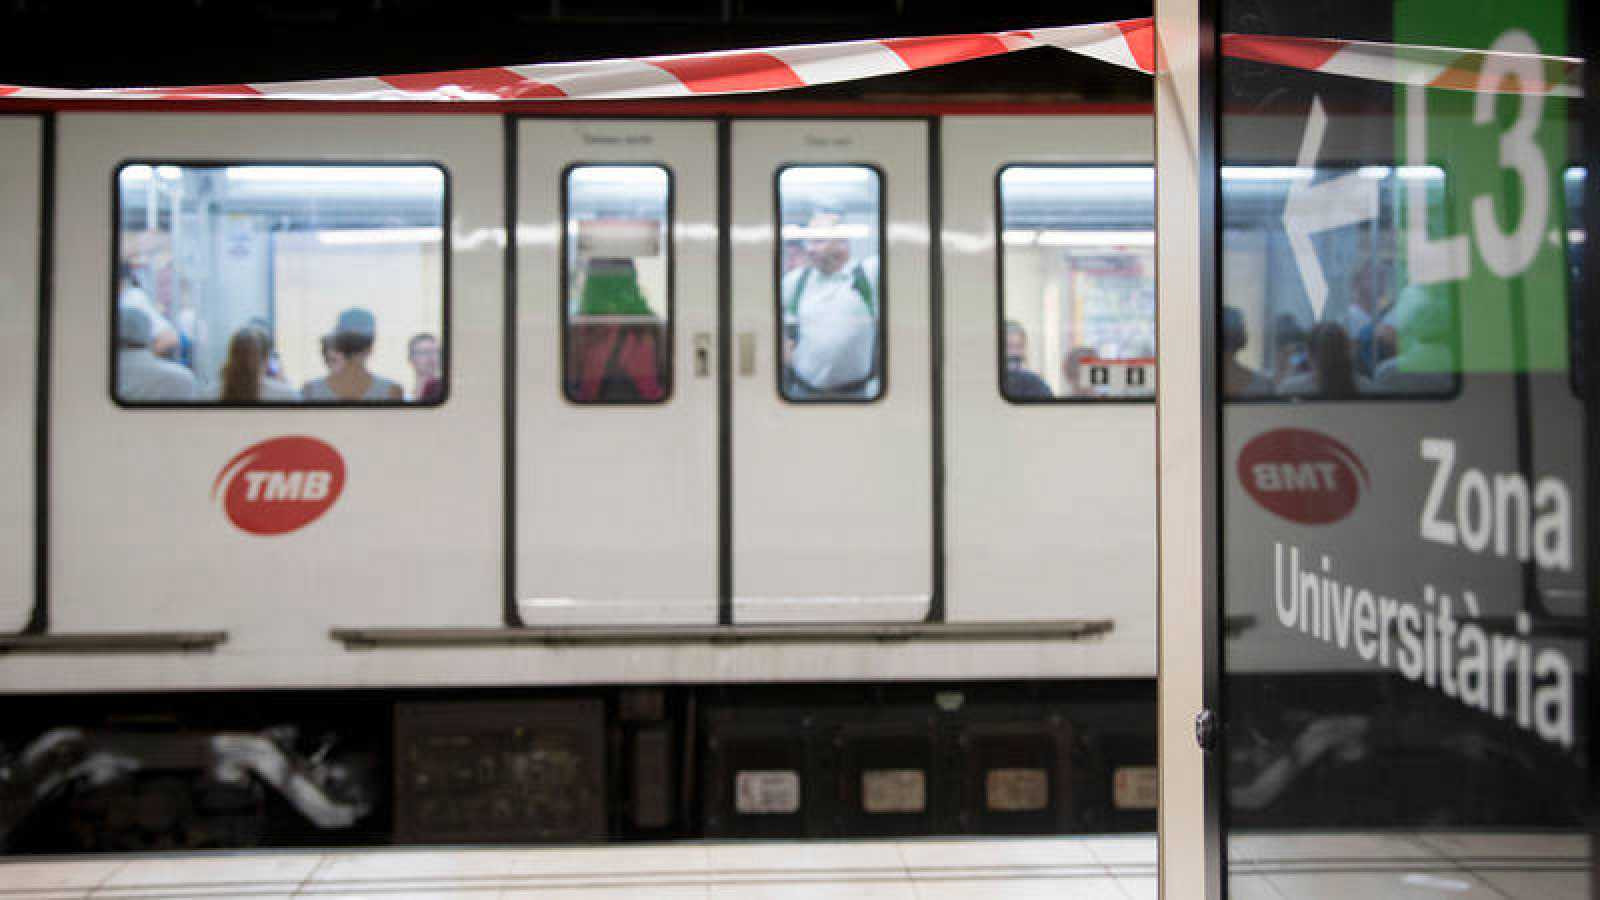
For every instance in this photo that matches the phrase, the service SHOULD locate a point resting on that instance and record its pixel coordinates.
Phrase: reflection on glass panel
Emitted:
(1077, 282)
(1405, 595)
(1352, 328)
(618, 275)
(266, 284)
(1573, 183)
(830, 293)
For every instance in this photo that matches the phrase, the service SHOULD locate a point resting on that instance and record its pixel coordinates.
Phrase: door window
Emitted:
(617, 278)
(831, 298)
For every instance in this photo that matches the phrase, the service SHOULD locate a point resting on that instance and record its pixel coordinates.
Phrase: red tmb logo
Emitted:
(279, 485)
(1303, 476)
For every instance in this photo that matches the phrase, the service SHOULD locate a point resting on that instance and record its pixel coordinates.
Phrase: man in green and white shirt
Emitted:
(830, 315)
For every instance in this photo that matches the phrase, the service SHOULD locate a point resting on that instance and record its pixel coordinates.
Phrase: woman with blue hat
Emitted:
(352, 338)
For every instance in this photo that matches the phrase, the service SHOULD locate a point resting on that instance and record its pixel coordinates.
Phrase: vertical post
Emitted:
(1186, 260)
(1587, 338)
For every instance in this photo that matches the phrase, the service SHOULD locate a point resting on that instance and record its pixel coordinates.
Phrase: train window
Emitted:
(1341, 322)
(255, 284)
(1077, 282)
(617, 284)
(830, 283)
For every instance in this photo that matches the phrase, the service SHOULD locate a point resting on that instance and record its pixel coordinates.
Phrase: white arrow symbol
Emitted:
(1314, 208)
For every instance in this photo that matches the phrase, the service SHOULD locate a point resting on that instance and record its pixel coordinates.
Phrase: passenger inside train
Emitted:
(1378, 331)
(245, 377)
(1020, 380)
(142, 374)
(1408, 348)
(831, 295)
(1077, 282)
(245, 276)
(352, 340)
(422, 351)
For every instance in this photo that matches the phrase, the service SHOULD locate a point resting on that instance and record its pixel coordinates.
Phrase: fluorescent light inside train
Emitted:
(1019, 175)
(1304, 173)
(827, 174)
(1021, 237)
(142, 173)
(1267, 173)
(825, 232)
(366, 237)
(351, 175)
(620, 175)
(1405, 173)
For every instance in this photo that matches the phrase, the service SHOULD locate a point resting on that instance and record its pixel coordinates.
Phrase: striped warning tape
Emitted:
(1129, 43)
(1437, 67)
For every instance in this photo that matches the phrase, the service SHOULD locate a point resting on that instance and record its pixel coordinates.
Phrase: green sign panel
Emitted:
(1482, 229)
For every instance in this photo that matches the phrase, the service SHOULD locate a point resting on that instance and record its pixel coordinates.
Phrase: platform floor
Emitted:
(1275, 867)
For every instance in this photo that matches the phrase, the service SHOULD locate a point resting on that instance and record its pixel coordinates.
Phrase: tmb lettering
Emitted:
(274, 485)
(1306, 476)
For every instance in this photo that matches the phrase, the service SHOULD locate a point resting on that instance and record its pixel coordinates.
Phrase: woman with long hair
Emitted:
(1333, 368)
(1333, 361)
(244, 373)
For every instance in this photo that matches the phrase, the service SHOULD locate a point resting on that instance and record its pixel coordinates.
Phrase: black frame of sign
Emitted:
(1208, 206)
(1588, 38)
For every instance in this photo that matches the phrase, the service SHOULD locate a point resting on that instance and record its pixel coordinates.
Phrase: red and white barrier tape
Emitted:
(1129, 43)
(1436, 67)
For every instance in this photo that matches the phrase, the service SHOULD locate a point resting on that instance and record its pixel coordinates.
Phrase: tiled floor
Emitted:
(1276, 867)
(1469, 866)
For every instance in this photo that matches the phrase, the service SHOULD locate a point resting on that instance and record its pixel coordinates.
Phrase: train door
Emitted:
(276, 381)
(832, 478)
(20, 147)
(616, 389)
(1049, 325)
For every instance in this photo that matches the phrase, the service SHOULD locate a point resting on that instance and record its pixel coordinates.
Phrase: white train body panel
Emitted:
(1050, 508)
(832, 503)
(20, 146)
(616, 503)
(137, 541)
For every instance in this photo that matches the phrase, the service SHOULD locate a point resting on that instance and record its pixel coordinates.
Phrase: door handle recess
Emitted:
(702, 354)
(747, 353)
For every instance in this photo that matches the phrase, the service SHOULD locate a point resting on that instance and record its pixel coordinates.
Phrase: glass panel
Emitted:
(255, 284)
(830, 293)
(617, 273)
(1405, 588)
(1077, 282)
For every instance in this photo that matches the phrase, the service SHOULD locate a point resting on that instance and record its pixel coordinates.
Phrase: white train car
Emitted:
(723, 448)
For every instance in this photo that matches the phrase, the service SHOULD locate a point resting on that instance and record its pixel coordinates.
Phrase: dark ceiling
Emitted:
(77, 43)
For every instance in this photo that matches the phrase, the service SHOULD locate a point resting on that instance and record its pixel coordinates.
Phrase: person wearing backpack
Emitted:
(831, 306)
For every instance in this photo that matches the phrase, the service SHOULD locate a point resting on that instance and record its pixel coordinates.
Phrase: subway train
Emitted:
(575, 472)
(727, 469)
